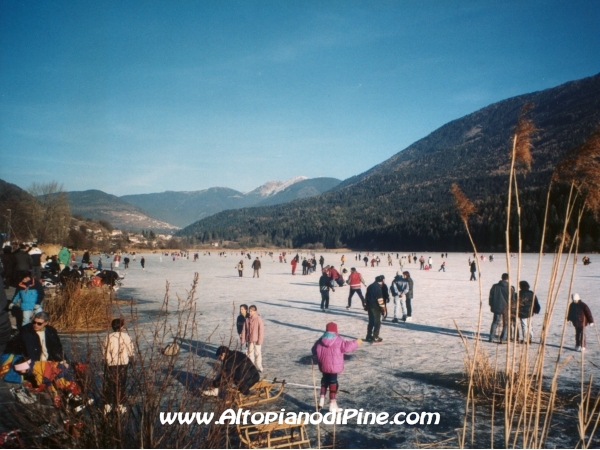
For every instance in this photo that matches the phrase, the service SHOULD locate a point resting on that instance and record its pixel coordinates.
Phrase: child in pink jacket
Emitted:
(329, 350)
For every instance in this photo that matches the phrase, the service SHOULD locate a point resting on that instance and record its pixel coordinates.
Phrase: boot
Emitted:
(333, 406)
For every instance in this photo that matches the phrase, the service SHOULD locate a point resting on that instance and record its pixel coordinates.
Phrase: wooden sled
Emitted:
(262, 392)
(274, 435)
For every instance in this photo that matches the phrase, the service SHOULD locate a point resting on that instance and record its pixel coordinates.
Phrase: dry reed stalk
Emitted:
(465, 209)
(316, 403)
(521, 153)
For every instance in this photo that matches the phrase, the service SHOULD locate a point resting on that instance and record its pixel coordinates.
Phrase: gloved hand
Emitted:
(592, 324)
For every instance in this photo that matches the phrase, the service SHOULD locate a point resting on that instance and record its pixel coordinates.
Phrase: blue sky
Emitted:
(146, 96)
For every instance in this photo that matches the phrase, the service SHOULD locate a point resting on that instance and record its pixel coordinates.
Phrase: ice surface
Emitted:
(417, 364)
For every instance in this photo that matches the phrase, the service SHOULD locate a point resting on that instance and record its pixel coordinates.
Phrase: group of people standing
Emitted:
(376, 299)
(516, 317)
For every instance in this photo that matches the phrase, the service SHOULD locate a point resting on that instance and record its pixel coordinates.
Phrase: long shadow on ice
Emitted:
(203, 349)
(432, 329)
(301, 327)
(316, 309)
(191, 381)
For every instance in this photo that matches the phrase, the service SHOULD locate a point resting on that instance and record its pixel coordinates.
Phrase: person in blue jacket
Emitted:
(29, 300)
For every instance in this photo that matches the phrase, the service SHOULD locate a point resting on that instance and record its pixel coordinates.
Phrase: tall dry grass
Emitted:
(76, 309)
(518, 387)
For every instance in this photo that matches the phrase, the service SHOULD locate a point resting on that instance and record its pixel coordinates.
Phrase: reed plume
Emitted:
(464, 206)
(524, 135)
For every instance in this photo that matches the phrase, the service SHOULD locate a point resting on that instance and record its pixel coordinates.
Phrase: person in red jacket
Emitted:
(335, 276)
(580, 316)
(354, 281)
(294, 263)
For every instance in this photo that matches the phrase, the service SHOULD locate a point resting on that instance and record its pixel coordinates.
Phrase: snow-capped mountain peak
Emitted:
(274, 186)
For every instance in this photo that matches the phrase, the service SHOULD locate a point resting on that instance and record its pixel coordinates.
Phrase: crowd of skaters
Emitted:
(514, 321)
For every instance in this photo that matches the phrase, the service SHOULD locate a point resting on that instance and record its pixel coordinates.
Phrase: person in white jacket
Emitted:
(118, 353)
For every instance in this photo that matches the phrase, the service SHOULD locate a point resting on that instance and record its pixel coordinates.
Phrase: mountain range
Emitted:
(404, 202)
(184, 208)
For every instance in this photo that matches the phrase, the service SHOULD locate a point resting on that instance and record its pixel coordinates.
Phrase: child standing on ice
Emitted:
(329, 350)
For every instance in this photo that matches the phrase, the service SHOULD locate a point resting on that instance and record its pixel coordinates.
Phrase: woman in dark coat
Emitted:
(580, 316)
(237, 369)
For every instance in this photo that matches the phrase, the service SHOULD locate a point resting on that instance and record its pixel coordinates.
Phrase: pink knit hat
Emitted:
(331, 327)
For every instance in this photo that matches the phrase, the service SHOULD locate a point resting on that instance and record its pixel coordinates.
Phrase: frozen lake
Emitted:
(414, 367)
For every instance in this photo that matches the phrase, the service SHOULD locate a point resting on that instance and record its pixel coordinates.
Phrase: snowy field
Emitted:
(417, 366)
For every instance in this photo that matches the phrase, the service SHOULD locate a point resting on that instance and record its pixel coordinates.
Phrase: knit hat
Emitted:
(575, 297)
(331, 327)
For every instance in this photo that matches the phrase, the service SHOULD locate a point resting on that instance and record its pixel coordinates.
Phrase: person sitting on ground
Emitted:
(47, 367)
(236, 369)
(53, 267)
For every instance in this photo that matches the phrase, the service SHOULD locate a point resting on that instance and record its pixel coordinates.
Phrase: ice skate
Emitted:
(333, 406)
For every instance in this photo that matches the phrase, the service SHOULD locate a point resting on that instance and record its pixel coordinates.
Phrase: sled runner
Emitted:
(262, 392)
(274, 435)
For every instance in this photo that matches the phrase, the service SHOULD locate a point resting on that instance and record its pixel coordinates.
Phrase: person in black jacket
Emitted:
(473, 268)
(325, 285)
(386, 296)
(498, 302)
(241, 319)
(33, 348)
(237, 369)
(23, 263)
(374, 306)
(5, 327)
(528, 306)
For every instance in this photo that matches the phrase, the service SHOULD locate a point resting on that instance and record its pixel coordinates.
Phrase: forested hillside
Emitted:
(404, 203)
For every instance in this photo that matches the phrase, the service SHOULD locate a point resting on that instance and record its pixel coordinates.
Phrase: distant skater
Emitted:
(256, 266)
(240, 268)
(473, 271)
(294, 264)
(325, 285)
(143, 263)
(409, 296)
(442, 267)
